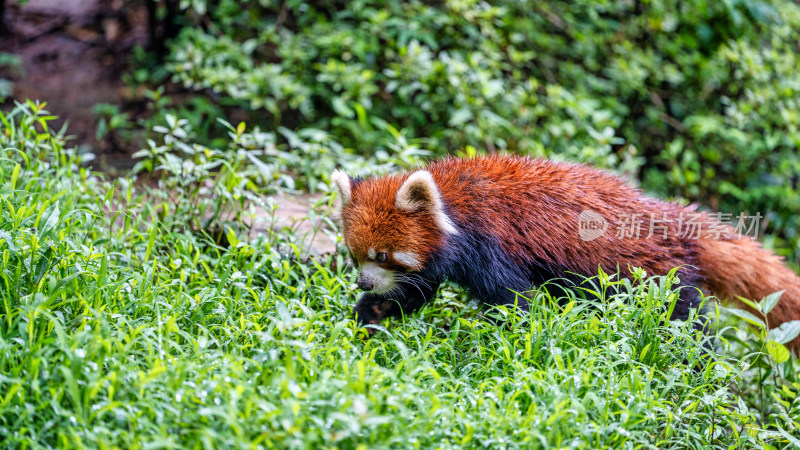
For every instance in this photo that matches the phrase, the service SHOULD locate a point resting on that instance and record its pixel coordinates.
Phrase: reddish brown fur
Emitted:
(741, 267)
(372, 221)
(532, 206)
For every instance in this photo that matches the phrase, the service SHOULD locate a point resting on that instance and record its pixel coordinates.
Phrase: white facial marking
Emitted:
(382, 280)
(419, 191)
(407, 259)
(371, 253)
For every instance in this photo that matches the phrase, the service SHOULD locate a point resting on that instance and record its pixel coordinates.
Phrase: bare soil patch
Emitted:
(73, 54)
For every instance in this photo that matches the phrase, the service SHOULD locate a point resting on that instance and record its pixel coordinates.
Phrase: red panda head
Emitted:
(391, 225)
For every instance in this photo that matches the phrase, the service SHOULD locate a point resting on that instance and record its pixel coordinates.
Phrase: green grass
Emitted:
(125, 323)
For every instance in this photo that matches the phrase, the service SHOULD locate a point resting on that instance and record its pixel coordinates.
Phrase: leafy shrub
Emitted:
(255, 162)
(773, 372)
(698, 97)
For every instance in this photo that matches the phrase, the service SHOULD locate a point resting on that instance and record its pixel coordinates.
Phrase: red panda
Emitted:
(502, 224)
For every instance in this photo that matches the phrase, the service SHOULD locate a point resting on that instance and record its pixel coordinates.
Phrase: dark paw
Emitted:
(371, 313)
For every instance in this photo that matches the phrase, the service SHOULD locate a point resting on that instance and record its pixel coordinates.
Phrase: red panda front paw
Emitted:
(370, 311)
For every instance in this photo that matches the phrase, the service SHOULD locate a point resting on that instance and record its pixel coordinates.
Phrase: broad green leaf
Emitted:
(50, 220)
(5, 237)
(786, 332)
(770, 301)
(232, 239)
(792, 439)
(748, 317)
(778, 352)
(749, 303)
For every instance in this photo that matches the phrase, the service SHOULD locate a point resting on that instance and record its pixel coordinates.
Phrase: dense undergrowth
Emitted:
(127, 321)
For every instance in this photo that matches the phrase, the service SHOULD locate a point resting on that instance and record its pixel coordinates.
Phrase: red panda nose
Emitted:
(364, 285)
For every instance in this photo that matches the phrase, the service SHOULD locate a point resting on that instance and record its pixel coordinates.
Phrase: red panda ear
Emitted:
(343, 185)
(419, 192)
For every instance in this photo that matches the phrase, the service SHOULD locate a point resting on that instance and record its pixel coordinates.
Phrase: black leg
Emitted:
(690, 298)
(372, 308)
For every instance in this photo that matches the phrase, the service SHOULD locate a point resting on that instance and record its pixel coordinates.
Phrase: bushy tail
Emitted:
(740, 266)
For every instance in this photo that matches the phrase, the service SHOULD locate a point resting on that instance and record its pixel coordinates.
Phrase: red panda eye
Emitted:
(382, 257)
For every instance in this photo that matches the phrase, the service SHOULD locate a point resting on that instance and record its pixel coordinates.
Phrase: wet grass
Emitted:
(123, 324)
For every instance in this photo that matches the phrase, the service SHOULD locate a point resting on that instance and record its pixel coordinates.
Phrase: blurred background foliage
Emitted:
(697, 99)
